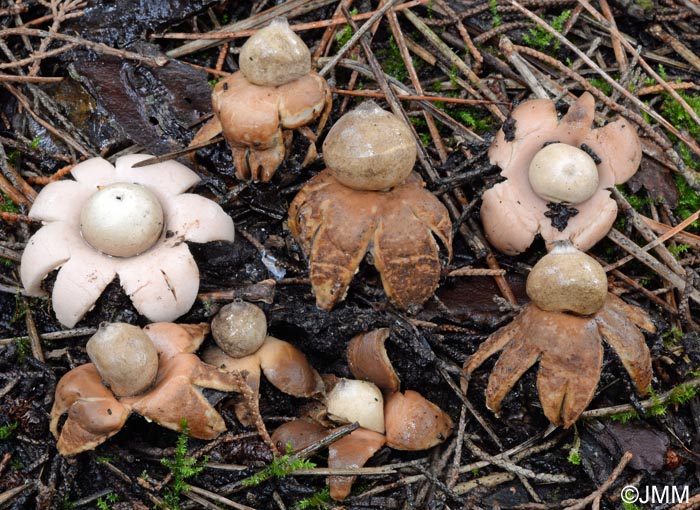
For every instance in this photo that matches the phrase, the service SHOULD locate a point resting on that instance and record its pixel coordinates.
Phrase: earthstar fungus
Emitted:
(558, 174)
(387, 213)
(95, 413)
(284, 366)
(259, 107)
(562, 328)
(408, 421)
(121, 221)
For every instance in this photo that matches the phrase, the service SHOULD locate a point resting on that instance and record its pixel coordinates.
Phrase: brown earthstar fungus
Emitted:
(284, 366)
(259, 107)
(404, 421)
(164, 380)
(116, 220)
(387, 212)
(368, 360)
(562, 328)
(558, 174)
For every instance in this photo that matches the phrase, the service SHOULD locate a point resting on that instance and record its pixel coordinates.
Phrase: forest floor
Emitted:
(82, 79)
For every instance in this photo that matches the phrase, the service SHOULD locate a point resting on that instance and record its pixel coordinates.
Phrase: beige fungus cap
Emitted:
(370, 149)
(124, 356)
(274, 56)
(567, 280)
(239, 329)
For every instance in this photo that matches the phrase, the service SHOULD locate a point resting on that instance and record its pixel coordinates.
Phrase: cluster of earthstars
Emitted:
(133, 223)
(558, 174)
(152, 372)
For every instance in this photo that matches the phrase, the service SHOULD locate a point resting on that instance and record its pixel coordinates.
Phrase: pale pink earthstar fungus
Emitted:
(115, 220)
(558, 174)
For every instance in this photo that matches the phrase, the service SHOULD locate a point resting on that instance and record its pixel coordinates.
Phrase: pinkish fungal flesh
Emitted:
(157, 272)
(513, 213)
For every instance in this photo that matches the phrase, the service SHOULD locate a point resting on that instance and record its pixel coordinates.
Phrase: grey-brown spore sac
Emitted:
(559, 214)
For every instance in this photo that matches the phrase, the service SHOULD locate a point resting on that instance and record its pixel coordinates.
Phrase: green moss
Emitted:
(625, 417)
(392, 61)
(344, 35)
(541, 39)
(8, 431)
(679, 249)
(601, 85)
(574, 457)
(688, 200)
(24, 348)
(679, 395)
(475, 121)
(106, 502)
(671, 337)
(182, 467)
(676, 115)
(321, 500)
(13, 157)
(658, 408)
(495, 17)
(682, 394)
(7, 205)
(279, 468)
(430, 9)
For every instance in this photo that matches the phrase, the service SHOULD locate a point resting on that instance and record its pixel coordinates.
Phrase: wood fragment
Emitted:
(79, 41)
(34, 339)
(680, 48)
(68, 139)
(10, 494)
(410, 97)
(297, 27)
(677, 281)
(15, 78)
(620, 55)
(194, 490)
(288, 9)
(179, 152)
(523, 68)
